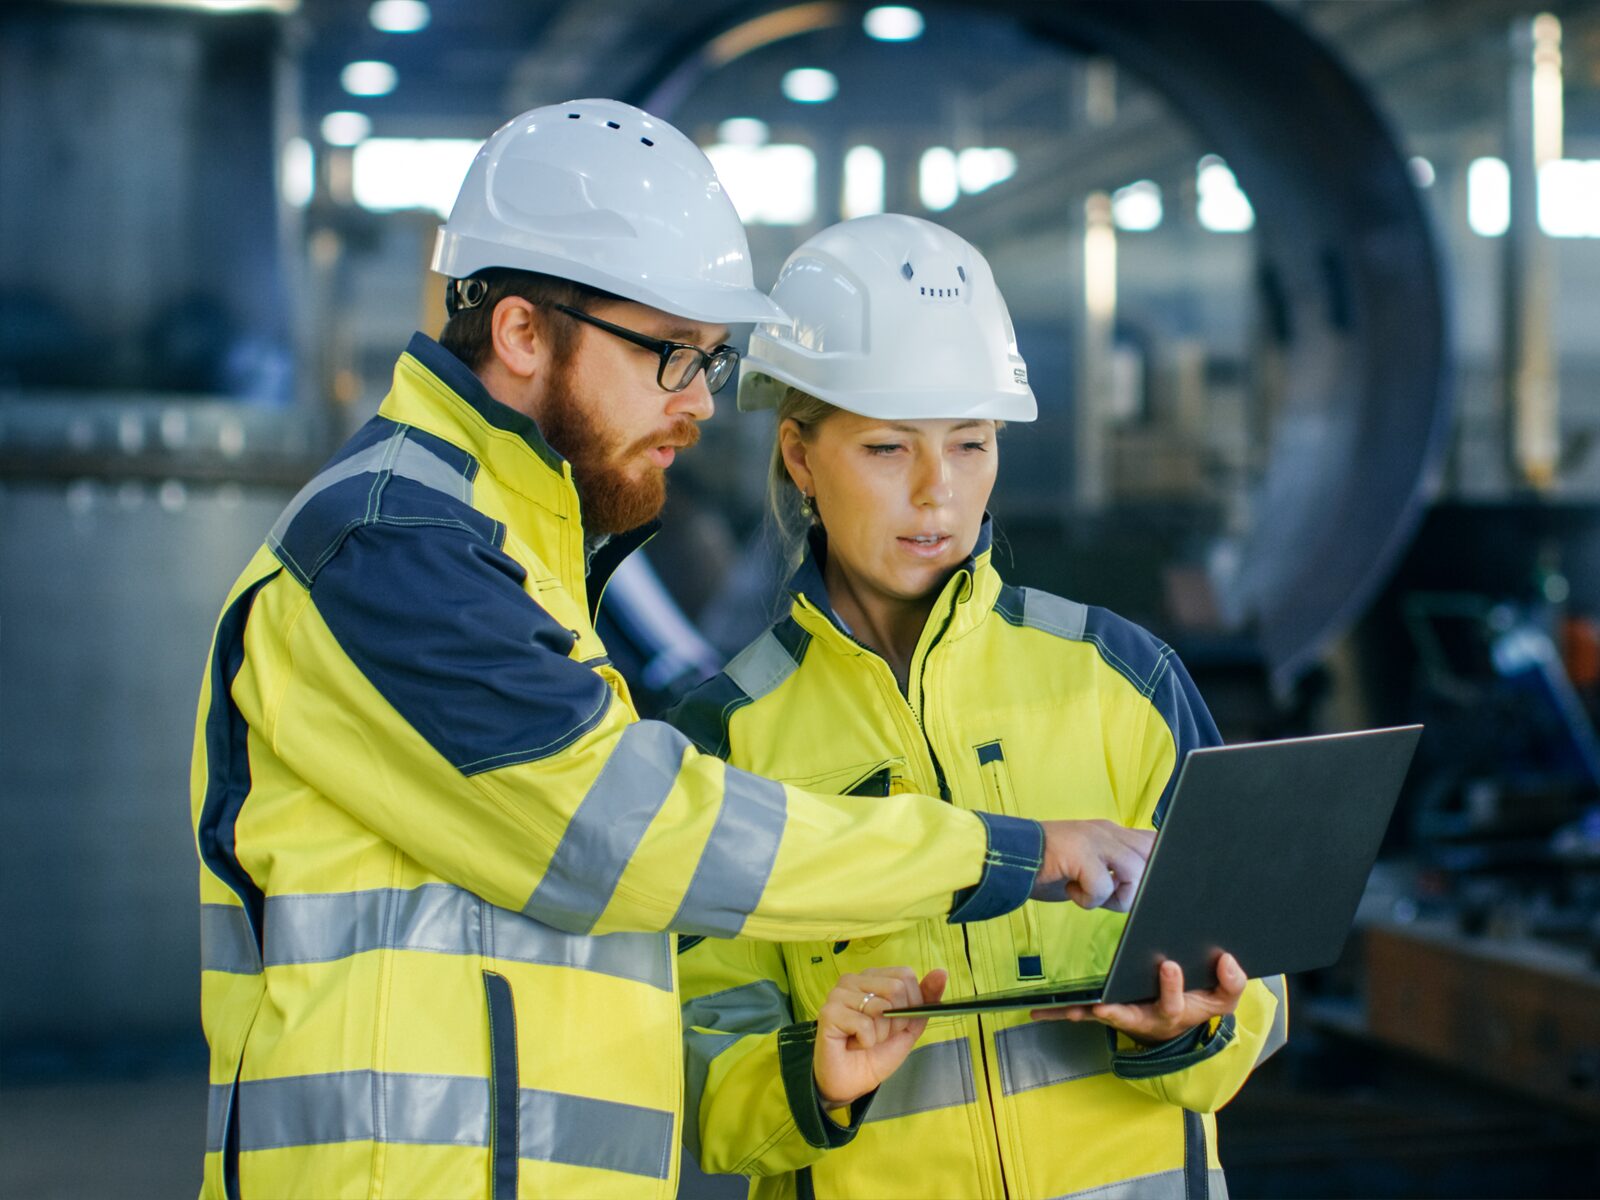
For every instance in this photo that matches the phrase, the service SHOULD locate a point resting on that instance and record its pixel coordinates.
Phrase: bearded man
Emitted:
(441, 857)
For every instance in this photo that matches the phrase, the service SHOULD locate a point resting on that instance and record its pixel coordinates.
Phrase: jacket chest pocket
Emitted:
(1001, 798)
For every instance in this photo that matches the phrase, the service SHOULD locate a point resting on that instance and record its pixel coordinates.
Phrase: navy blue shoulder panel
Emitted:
(706, 711)
(388, 472)
(434, 615)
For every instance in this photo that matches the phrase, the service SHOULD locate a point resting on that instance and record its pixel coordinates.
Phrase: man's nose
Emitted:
(694, 401)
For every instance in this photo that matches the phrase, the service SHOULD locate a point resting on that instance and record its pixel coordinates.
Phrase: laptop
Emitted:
(1264, 852)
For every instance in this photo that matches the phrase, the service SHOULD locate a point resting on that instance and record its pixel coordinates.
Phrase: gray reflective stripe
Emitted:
(735, 1013)
(1164, 1185)
(226, 943)
(607, 826)
(933, 1076)
(738, 856)
(1279, 1033)
(759, 1007)
(761, 666)
(440, 918)
(1052, 614)
(217, 1115)
(698, 1051)
(395, 453)
(582, 1132)
(449, 1110)
(1042, 1053)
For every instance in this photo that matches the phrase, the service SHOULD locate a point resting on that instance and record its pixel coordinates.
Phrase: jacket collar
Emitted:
(974, 580)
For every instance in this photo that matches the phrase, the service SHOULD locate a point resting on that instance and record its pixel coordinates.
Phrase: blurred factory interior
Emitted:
(1309, 291)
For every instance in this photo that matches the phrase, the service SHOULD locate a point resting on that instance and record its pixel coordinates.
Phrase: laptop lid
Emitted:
(1264, 851)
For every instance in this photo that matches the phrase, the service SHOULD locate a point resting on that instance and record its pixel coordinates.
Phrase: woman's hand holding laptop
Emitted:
(1095, 864)
(1173, 1012)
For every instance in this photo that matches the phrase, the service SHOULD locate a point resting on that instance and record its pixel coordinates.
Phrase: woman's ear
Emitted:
(792, 444)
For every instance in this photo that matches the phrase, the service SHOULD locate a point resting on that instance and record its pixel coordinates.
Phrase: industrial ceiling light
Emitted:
(399, 16)
(743, 131)
(893, 23)
(345, 128)
(368, 78)
(810, 85)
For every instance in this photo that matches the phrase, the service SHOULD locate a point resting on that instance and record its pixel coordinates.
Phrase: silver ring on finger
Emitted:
(865, 1000)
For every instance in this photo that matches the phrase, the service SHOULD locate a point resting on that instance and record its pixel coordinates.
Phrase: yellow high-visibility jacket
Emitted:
(1023, 703)
(440, 853)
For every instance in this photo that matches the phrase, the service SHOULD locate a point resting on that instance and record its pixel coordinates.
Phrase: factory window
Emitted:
(396, 173)
(769, 185)
(943, 175)
(863, 182)
(1488, 197)
(1569, 197)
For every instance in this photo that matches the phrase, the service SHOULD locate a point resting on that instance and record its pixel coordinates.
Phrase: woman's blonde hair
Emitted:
(789, 517)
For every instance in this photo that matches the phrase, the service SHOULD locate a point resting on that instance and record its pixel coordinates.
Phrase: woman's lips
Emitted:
(928, 546)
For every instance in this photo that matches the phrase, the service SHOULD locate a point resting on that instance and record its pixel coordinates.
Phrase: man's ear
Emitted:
(792, 445)
(518, 338)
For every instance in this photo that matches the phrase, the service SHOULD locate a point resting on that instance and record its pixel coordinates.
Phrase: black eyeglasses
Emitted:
(679, 360)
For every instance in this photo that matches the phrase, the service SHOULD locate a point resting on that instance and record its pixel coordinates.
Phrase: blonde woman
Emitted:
(906, 664)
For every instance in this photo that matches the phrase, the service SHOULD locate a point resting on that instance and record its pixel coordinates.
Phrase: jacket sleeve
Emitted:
(435, 701)
(751, 1102)
(1200, 1070)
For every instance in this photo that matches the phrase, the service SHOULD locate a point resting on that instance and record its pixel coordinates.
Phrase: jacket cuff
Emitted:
(795, 1046)
(1010, 866)
(1182, 1052)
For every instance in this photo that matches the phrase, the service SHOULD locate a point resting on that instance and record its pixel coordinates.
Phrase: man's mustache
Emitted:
(680, 435)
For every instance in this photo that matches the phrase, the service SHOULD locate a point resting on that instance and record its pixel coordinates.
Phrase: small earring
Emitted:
(805, 505)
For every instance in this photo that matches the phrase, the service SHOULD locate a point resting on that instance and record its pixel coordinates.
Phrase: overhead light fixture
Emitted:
(810, 85)
(1422, 172)
(1137, 207)
(981, 167)
(769, 185)
(369, 78)
(1488, 196)
(893, 23)
(743, 131)
(1223, 207)
(346, 128)
(400, 173)
(297, 172)
(399, 16)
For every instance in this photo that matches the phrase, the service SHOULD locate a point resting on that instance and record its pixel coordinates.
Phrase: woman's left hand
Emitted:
(1173, 1012)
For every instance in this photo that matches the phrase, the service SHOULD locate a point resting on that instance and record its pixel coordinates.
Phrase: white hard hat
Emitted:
(894, 317)
(599, 192)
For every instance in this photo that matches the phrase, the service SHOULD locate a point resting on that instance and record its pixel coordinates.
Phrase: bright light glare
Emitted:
(297, 172)
(1488, 197)
(399, 16)
(743, 131)
(863, 182)
(345, 128)
(769, 185)
(979, 168)
(892, 23)
(1569, 198)
(368, 78)
(938, 178)
(1223, 207)
(1137, 207)
(810, 85)
(1422, 172)
(398, 173)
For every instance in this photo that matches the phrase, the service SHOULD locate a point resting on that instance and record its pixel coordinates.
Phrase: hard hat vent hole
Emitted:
(923, 291)
(647, 141)
(961, 273)
(612, 125)
(905, 270)
(573, 116)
